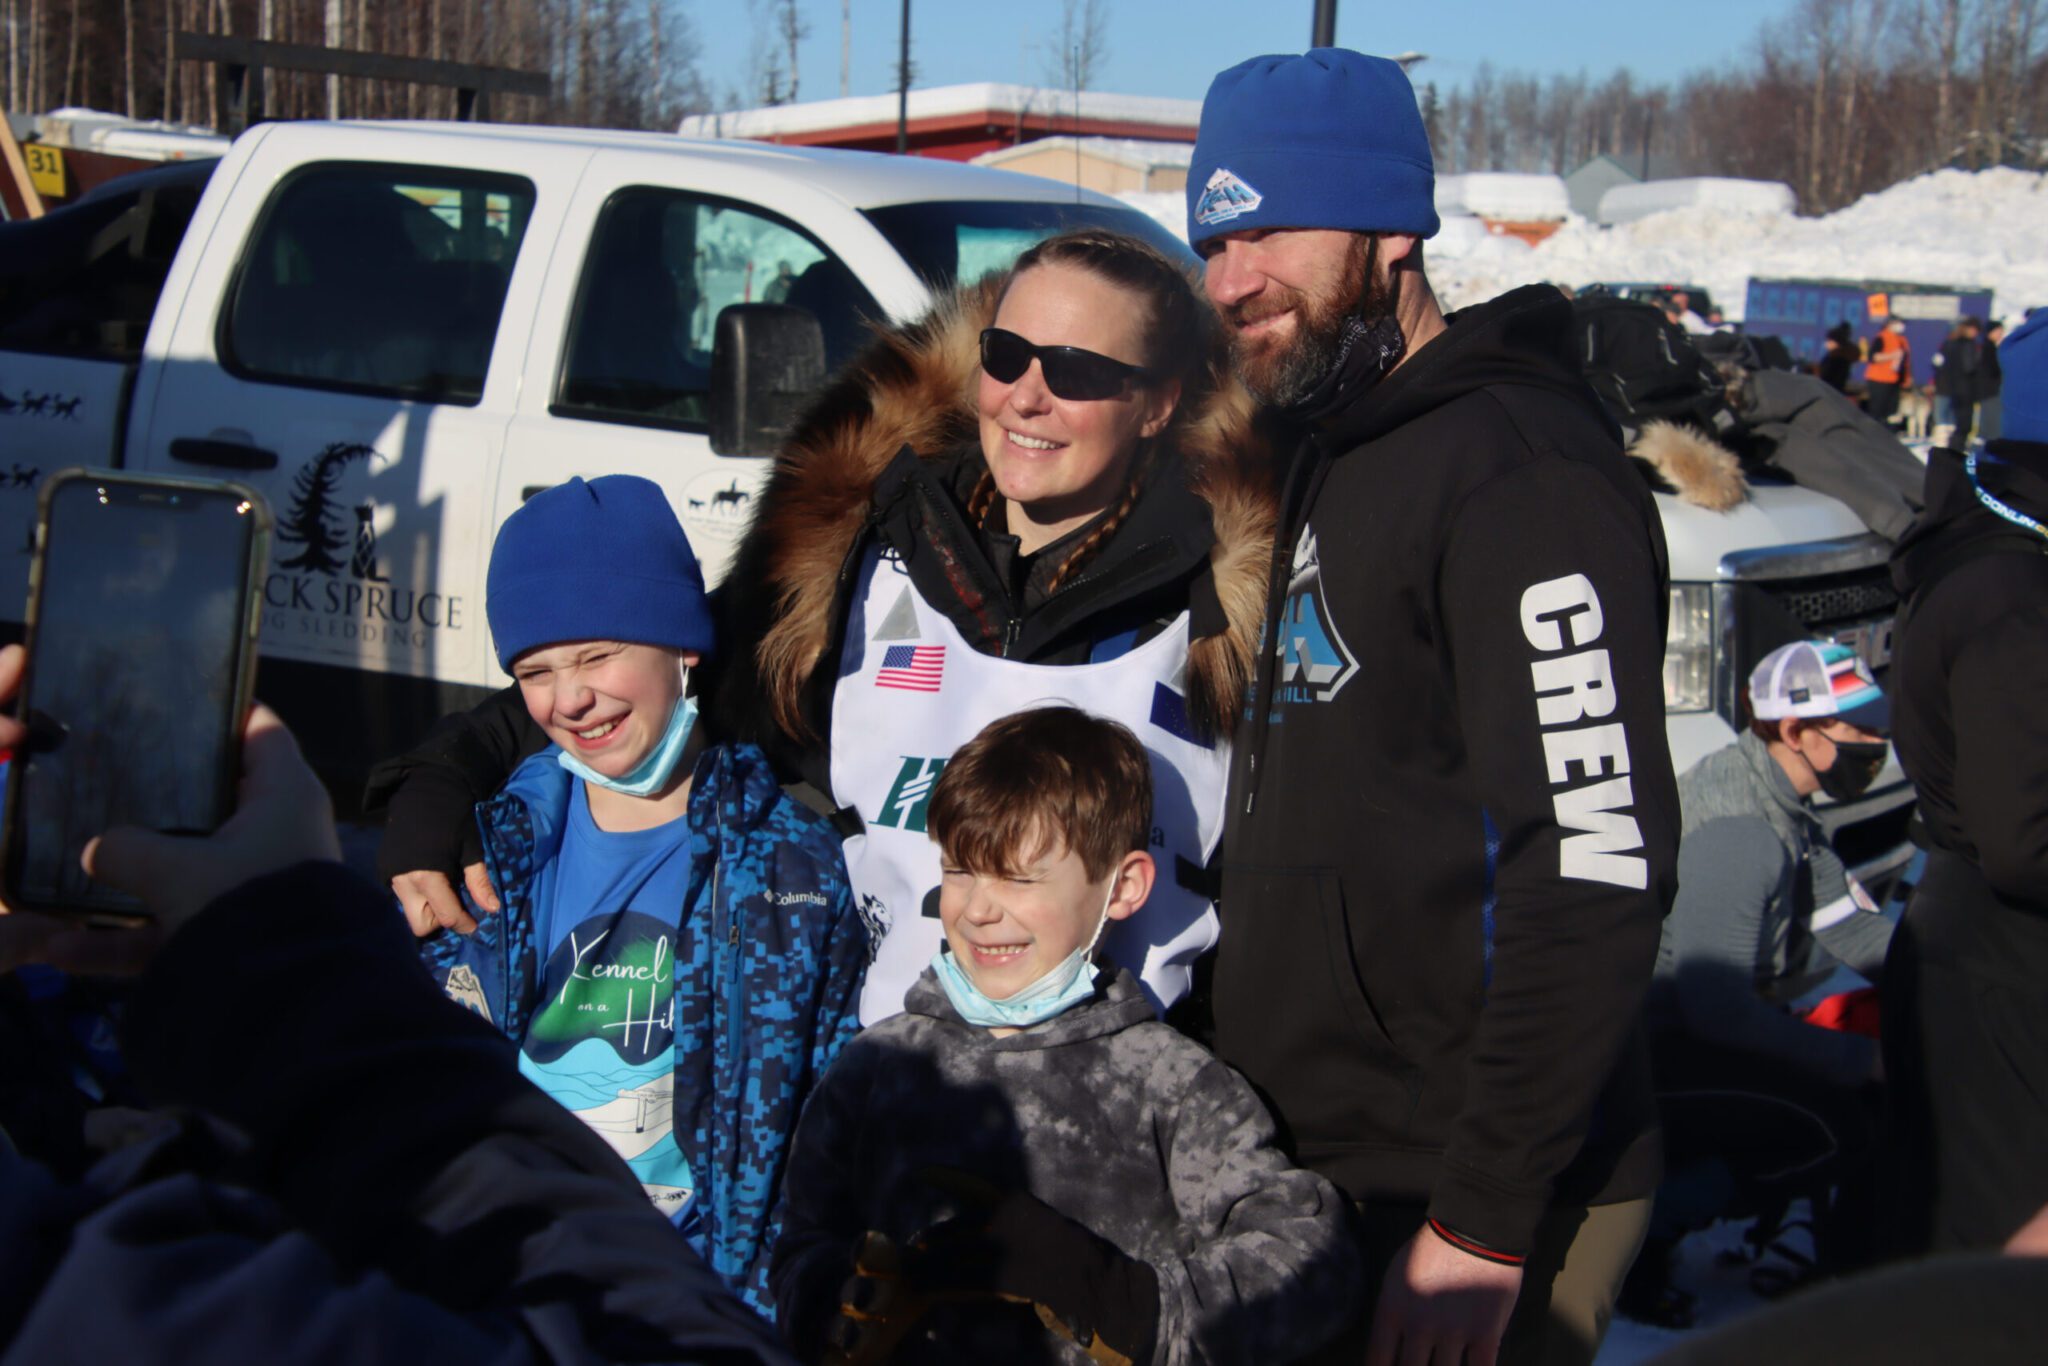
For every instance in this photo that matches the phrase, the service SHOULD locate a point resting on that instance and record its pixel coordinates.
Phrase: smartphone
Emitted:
(142, 621)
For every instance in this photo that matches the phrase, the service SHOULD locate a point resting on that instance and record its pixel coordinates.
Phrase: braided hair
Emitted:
(1176, 334)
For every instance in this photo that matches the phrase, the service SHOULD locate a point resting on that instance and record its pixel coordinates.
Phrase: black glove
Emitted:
(1013, 1246)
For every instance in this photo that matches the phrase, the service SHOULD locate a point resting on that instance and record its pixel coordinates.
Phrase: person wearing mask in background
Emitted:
(1955, 385)
(1839, 359)
(1752, 1095)
(1991, 385)
(1965, 1024)
(1889, 371)
(1453, 823)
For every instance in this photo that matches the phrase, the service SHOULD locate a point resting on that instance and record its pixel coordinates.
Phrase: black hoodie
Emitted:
(1970, 673)
(1445, 868)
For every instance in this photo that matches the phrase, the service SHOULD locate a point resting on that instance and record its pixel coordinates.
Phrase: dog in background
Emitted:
(1916, 412)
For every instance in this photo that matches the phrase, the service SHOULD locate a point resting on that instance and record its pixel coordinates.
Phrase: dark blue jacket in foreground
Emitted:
(768, 968)
(360, 1174)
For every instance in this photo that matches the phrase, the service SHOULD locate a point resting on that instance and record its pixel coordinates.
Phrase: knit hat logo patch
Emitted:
(1225, 197)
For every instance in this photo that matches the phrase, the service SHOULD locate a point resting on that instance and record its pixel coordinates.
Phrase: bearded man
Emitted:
(1453, 822)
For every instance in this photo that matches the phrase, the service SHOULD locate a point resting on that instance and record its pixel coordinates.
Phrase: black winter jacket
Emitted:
(1969, 676)
(1955, 369)
(357, 1172)
(1453, 822)
(1990, 374)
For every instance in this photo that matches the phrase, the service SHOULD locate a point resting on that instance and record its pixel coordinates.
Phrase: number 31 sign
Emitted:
(45, 169)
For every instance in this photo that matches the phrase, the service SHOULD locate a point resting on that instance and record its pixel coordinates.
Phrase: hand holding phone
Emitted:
(141, 658)
(283, 817)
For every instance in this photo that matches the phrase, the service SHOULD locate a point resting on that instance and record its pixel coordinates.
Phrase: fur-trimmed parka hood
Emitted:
(913, 387)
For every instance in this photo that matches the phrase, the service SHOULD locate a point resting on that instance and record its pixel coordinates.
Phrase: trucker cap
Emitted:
(1818, 679)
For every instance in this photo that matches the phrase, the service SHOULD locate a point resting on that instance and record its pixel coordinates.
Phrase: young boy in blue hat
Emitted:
(678, 955)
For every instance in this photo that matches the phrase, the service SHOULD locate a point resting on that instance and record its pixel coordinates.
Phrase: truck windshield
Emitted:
(959, 241)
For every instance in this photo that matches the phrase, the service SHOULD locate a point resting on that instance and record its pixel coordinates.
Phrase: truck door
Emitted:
(340, 359)
(622, 368)
(77, 291)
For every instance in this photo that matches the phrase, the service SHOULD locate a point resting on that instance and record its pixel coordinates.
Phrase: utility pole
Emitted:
(333, 29)
(1324, 34)
(903, 85)
(845, 48)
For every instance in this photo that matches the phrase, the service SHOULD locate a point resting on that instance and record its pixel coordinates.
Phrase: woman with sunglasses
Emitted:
(1046, 489)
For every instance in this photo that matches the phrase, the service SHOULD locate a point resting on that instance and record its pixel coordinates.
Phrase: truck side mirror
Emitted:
(767, 362)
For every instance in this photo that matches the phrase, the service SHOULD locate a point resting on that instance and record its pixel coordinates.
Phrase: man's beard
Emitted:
(1282, 379)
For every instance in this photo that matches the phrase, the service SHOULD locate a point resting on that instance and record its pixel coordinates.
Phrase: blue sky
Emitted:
(1173, 47)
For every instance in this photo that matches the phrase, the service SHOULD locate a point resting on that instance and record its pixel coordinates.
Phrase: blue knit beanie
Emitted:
(1329, 139)
(2024, 357)
(602, 560)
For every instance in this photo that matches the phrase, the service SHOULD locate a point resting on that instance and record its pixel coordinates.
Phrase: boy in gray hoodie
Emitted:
(1026, 1165)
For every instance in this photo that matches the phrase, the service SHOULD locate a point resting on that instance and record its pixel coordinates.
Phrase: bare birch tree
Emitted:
(1079, 47)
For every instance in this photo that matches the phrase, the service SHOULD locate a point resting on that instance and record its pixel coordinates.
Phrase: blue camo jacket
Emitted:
(769, 959)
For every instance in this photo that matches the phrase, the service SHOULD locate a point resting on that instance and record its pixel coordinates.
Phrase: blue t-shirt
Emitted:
(602, 1039)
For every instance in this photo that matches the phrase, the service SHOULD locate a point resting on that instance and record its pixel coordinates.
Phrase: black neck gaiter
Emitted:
(1364, 356)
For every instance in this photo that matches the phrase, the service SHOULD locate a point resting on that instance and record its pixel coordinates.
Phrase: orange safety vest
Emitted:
(1893, 363)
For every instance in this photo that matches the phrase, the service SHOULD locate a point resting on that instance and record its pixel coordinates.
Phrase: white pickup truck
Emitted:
(399, 331)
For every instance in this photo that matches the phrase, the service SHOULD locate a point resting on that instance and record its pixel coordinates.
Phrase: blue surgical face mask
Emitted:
(652, 773)
(1069, 982)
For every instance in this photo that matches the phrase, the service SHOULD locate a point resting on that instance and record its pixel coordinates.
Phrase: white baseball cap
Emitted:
(1818, 679)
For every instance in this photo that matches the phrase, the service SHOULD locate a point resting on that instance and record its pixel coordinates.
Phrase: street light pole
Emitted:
(903, 85)
(1324, 33)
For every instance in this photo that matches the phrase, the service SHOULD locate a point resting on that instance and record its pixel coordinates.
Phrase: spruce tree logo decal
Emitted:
(331, 535)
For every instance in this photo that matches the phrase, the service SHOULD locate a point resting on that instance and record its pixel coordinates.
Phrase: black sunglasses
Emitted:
(1070, 372)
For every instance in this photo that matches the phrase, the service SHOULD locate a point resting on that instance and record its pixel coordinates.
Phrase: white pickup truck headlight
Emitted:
(1689, 649)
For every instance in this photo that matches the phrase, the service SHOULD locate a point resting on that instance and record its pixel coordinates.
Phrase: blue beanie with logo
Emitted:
(1329, 139)
(2023, 355)
(604, 559)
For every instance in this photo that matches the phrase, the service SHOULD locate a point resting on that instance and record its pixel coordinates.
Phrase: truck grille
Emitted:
(1821, 602)
(1835, 590)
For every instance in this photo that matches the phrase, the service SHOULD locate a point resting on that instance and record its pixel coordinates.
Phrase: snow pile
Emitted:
(1472, 240)
(1169, 207)
(1983, 229)
(1627, 203)
(1503, 195)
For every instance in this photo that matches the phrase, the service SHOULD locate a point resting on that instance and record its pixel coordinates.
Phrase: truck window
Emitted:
(958, 242)
(384, 280)
(84, 281)
(662, 265)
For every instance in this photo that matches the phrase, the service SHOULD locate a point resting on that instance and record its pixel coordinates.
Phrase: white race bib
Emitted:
(911, 691)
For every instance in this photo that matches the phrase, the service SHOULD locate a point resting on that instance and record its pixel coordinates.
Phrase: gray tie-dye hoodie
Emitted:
(1110, 1117)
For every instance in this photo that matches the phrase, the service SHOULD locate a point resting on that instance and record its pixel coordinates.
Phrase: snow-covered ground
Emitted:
(1963, 228)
